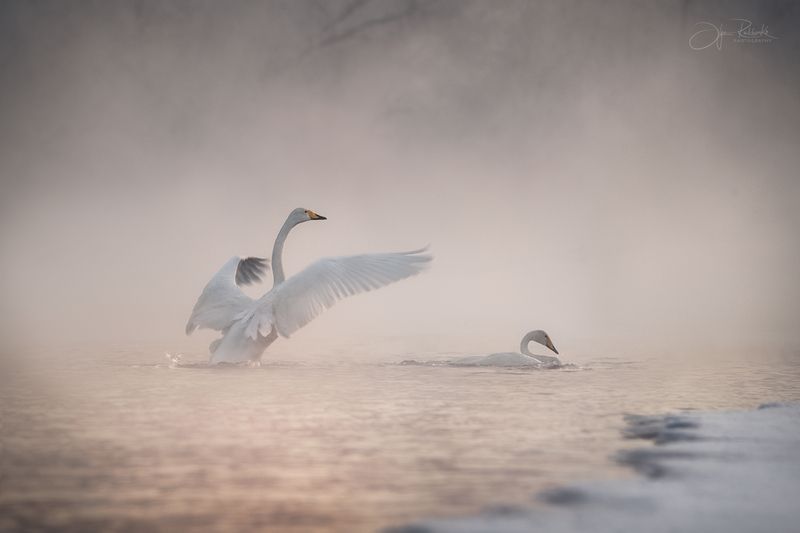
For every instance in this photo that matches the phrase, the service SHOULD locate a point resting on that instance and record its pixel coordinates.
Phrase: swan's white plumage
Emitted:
(305, 295)
(222, 301)
(525, 358)
(237, 347)
(498, 359)
(249, 326)
(294, 303)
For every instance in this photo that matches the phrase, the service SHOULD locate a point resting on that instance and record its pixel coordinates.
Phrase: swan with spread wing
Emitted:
(250, 325)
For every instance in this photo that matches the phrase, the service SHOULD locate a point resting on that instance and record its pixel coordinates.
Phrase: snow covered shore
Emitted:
(736, 471)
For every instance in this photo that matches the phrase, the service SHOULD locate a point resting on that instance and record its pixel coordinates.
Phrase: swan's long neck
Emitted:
(277, 253)
(523, 346)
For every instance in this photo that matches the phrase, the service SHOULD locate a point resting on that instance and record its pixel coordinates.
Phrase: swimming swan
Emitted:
(250, 325)
(526, 358)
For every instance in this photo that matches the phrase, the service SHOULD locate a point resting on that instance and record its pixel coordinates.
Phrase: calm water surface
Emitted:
(117, 440)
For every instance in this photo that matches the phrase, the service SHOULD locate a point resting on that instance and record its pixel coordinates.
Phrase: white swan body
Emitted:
(498, 359)
(250, 325)
(512, 359)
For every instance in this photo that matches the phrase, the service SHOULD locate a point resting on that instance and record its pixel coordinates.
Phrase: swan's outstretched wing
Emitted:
(222, 301)
(250, 270)
(305, 295)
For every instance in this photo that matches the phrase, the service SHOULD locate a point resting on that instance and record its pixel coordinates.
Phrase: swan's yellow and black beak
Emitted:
(550, 345)
(313, 216)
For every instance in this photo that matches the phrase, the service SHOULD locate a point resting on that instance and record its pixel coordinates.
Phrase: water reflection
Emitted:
(107, 440)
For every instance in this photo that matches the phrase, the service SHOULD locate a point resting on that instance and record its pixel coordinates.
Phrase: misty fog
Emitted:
(574, 166)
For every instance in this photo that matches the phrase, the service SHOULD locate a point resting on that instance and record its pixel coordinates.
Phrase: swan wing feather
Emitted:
(250, 270)
(302, 297)
(222, 301)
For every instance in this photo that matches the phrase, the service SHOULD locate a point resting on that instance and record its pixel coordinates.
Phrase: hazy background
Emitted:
(575, 167)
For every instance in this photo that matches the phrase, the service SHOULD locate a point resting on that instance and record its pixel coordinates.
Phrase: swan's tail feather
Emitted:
(236, 346)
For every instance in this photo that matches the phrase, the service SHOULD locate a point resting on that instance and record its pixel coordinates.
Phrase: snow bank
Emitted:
(708, 472)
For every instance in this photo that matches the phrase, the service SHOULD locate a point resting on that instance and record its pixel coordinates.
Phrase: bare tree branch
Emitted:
(348, 10)
(410, 8)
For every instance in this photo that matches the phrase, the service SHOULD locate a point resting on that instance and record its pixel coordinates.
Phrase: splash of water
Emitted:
(173, 360)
